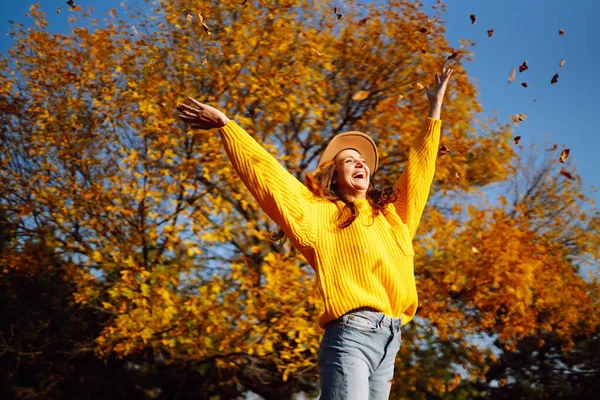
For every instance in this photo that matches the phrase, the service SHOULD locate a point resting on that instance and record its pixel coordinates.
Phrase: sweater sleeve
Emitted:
(415, 182)
(285, 199)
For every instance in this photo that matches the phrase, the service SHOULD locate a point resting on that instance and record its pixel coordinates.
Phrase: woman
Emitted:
(357, 239)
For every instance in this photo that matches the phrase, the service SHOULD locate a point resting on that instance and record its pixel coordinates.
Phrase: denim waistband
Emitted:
(376, 316)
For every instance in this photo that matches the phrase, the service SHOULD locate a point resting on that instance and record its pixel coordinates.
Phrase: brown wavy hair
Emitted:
(322, 184)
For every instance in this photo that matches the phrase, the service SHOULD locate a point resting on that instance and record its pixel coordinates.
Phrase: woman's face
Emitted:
(352, 174)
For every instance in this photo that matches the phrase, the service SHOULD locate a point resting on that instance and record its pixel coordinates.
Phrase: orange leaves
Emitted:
(563, 155)
(360, 95)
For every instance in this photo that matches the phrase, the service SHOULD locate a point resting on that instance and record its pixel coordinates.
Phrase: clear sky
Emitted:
(563, 113)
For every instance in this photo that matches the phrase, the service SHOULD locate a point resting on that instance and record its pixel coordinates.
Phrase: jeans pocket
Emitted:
(360, 323)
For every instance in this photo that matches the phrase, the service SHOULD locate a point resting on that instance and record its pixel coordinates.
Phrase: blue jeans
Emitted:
(356, 356)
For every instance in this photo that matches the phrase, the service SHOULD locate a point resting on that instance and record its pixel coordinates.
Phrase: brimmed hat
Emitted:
(352, 140)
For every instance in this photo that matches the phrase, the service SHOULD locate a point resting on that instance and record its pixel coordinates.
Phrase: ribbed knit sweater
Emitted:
(370, 262)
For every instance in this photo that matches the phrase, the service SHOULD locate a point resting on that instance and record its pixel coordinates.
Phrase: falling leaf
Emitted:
(317, 52)
(453, 55)
(563, 155)
(360, 95)
(473, 18)
(474, 250)
(418, 85)
(524, 84)
(512, 76)
(338, 15)
(455, 381)
(442, 150)
(362, 21)
(243, 2)
(490, 32)
(523, 66)
(518, 117)
(554, 147)
(561, 32)
(516, 139)
(204, 61)
(457, 176)
(71, 3)
(422, 50)
(502, 382)
(561, 63)
(566, 174)
(204, 26)
(190, 17)
(554, 78)
(424, 30)
(59, 8)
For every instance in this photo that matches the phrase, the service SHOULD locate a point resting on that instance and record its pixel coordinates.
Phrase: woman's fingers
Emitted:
(196, 102)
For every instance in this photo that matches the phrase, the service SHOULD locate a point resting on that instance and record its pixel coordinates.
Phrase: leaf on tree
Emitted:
(566, 174)
(516, 139)
(512, 75)
(474, 250)
(424, 30)
(524, 84)
(564, 155)
(362, 21)
(554, 78)
(473, 18)
(361, 95)
(457, 176)
(561, 63)
(561, 32)
(523, 66)
(422, 50)
(418, 85)
(453, 383)
(317, 52)
(189, 17)
(490, 32)
(442, 150)
(243, 2)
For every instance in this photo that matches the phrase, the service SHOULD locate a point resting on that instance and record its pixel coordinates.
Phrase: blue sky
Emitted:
(562, 113)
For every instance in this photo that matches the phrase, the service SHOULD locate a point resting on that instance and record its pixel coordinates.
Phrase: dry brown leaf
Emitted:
(561, 32)
(516, 139)
(418, 85)
(523, 66)
(473, 18)
(524, 84)
(502, 382)
(422, 50)
(442, 150)
(490, 32)
(362, 21)
(518, 118)
(474, 250)
(564, 155)
(360, 95)
(561, 63)
(189, 17)
(424, 30)
(453, 55)
(566, 174)
(59, 8)
(512, 75)
(457, 176)
(554, 147)
(554, 78)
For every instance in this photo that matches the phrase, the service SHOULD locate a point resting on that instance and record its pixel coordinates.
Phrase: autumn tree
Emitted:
(166, 243)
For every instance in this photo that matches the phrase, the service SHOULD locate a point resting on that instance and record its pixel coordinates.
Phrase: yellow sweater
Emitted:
(370, 262)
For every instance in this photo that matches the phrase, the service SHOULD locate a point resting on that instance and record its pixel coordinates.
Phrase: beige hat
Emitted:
(352, 140)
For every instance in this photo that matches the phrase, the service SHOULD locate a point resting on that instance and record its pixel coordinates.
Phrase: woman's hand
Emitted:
(436, 94)
(202, 116)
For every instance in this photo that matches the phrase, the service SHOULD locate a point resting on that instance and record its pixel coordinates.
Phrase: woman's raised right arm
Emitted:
(285, 199)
